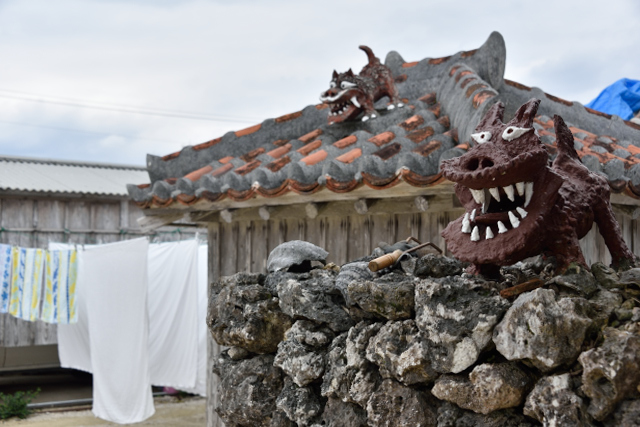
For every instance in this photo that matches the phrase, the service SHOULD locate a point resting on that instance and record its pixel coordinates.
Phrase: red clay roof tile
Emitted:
(560, 100)
(207, 144)
(409, 64)
(280, 142)
(412, 122)
(462, 74)
(382, 138)
(435, 61)
(314, 158)
(197, 174)
(306, 149)
(517, 85)
(429, 99)
(222, 169)
(388, 151)
(444, 121)
(350, 156)
(310, 136)
(248, 131)
(248, 157)
(481, 97)
(426, 149)
(280, 151)
(287, 117)
(278, 164)
(345, 142)
(245, 169)
(420, 134)
(226, 160)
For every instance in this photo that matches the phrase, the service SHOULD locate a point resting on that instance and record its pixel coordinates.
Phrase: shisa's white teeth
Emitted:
(501, 228)
(478, 196)
(355, 102)
(508, 190)
(475, 234)
(466, 224)
(515, 222)
(472, 217)
(488, 234)
(528, 190)
(522, 212)
(520, 188)
(495, 193)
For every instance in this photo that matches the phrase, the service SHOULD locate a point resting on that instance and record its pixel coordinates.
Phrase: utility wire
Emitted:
(67, 102)
(86, 131)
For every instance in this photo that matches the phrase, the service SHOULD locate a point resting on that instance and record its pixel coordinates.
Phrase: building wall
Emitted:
(244, 246)
(33, 222)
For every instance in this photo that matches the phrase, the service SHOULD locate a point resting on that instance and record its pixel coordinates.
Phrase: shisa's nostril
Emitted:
(473, 164)
(478, 163)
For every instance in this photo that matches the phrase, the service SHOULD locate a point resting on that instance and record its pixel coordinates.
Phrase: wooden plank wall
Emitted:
(245, 246)
(43, 220)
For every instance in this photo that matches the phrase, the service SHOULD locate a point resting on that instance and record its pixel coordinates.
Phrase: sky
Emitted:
(114, 80)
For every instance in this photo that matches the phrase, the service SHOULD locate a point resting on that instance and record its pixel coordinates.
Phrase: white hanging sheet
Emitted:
(173, 313)
(203, 286)
(73, 339)
(116, 292)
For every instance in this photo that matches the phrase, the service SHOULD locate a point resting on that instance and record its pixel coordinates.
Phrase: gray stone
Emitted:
(576, 281)
(603, 304)
(610, 373)
(457, 316)
(299, 356)
(630, 281)
(606, 276)
(300, 404)
(545, 332)
(554, 403)
(391, 296)
(353, 272)
(313, 296)
(279, 419)
(626, 415)
(450, 415)
(237, 353)
(395, 405)
(401, 353)
(343, 414)
(349, 375)
(247, 390)
(247, 316)
(433, 265)
(295, 253)
(489, 387)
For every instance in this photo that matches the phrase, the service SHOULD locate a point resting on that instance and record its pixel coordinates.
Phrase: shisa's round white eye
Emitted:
(347, 85)
(513, 132)
(481, 137)
(332, 84)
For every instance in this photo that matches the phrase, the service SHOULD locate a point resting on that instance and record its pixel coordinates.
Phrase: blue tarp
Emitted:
(621, 98)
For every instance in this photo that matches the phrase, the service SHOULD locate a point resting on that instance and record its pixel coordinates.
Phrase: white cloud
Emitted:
(263, 59)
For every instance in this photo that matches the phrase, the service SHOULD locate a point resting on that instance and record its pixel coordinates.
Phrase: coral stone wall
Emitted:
(426, 345)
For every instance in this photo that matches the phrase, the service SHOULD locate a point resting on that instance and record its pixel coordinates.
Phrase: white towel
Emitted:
(26, 282)
(203, 299)
(5, 277)
(73, 340)
(173, 313)
(116, 278)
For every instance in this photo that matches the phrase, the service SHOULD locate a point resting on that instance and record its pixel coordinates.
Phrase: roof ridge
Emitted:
(100, 165)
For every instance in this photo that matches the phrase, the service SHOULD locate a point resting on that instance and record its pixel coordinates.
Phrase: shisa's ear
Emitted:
(492, 118)
(350, 73)
(335, 74)
(564, 138)
(525, 114)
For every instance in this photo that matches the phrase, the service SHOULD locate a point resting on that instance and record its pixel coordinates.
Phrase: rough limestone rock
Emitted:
(433, 265)
(545, 332)
(627, 415)
(301, 355)
(343, 414)
(577, 280)
(401, 353)
(395, 405)
(349, 375)
(489, 387)
(606, 276)
(554, 403)
(248, 390)
(610, 373)
(450, 415)
(280, 419)
(313, 296)
(458, 316)
(300, 404)
(247, 316)
(391, 296)
(353, 272)
(295, 253)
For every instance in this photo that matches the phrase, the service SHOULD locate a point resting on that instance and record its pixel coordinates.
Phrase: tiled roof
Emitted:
(21, 174)
(444, 100)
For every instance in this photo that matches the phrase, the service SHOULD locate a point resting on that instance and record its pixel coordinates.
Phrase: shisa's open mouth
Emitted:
(343, 106)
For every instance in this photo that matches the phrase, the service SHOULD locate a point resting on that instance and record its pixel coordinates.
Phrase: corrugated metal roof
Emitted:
(55, 176)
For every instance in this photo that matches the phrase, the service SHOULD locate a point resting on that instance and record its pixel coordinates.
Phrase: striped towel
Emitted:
(26, 283)
(5, 277)
(59, 304)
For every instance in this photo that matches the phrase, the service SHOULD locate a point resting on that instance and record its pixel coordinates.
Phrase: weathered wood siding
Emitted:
(34, 222)
(245, 245)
